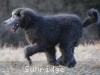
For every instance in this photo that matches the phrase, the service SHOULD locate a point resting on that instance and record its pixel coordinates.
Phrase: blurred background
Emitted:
(78, 7)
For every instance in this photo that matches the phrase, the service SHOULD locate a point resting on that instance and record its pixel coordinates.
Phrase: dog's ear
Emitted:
(25, 15)
(25, 18)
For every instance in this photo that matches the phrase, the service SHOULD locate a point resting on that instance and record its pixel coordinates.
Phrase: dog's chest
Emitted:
(31, 36)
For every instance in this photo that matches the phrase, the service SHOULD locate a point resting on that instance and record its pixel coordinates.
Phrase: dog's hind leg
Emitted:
(67, 58)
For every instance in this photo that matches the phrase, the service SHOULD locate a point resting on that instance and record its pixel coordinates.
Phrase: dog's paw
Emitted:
(54, 63)
(71, 63)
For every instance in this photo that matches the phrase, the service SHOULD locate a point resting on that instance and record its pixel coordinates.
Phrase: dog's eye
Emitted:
(18, 14)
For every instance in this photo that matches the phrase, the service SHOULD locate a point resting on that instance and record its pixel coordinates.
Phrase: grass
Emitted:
(12, 62)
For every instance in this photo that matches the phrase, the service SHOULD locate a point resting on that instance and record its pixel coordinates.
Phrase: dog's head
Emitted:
(21, 17)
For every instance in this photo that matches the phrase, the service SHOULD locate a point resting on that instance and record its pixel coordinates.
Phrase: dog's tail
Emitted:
(93, 17)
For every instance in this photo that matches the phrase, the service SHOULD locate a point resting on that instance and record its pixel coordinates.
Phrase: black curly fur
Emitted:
(93, 17)
(45, 32)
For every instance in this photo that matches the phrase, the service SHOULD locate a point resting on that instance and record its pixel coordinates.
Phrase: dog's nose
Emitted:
(5, 22)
